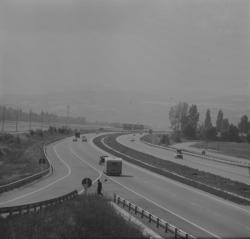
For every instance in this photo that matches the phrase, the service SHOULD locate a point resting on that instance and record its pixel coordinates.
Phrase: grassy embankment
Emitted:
(20, 154)
(241, 150)
(84, 217)
(202, 180)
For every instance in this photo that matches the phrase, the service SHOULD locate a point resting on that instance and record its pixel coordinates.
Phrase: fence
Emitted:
(35, 207)
(178, 233)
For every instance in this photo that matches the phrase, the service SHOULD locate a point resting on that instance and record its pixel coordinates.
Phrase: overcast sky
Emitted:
(151, 46)
(167, 47)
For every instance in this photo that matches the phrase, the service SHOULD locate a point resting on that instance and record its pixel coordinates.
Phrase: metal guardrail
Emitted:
(178, 233)
(18, 183)
(208, 157)
(35, 207)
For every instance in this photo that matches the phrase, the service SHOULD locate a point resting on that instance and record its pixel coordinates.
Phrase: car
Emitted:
(74, 139)
(179, 154)
(84, 139)
(102, 159)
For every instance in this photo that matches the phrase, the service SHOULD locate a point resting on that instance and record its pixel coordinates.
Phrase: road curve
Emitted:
(192, 210)
(228, 171)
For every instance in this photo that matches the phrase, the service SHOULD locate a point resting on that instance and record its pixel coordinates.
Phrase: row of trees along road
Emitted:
(184, 120)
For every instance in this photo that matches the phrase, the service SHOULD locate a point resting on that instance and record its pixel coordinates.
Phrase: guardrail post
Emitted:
(123, 202)
(142, 213)
(150, 217)
(157, 222)
(166, 227)
(175, 233)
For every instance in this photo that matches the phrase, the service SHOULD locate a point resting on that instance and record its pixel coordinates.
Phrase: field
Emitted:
(84, 217)
(241, 150)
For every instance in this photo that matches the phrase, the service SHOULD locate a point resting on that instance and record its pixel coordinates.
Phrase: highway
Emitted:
(225, 170)
(192, 210)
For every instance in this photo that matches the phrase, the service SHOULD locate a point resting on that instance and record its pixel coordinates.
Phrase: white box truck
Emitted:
(113, 166)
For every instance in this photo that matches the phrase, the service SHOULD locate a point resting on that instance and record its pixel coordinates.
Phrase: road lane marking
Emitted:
(189, 188)
(48, 185)
(140, 195)
(77, 156)
(125, 141)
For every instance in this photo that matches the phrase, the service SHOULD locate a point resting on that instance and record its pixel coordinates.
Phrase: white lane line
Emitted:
(47, 186)
(189, 188)
(125, 141)
(140, 195)
(77, 156)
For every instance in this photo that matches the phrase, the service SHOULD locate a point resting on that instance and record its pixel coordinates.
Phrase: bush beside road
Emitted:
(87, 216)
(20, 154)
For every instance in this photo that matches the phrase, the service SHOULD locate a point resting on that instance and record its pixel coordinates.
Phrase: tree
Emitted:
(224, 129)
(219, 121)
(208, 122)
(210, 133)
(243, 124)
(178, 116)
(192, 122)
(233, 133)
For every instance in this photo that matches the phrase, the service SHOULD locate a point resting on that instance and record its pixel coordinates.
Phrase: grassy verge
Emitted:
(84, 217)
(20, 154)
(241, 150)
(202, 180)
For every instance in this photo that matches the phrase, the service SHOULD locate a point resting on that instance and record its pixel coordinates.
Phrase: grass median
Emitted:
(205, 181)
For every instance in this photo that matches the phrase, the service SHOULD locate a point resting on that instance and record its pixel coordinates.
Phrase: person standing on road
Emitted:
(99, 187)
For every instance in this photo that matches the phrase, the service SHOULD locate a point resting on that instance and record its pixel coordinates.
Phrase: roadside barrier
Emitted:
(207, 157)
(18, 183)
(178, 233)
(36, 207)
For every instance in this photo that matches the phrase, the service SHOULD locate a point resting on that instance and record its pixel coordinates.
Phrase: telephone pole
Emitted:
(67, 123)
(3, 118)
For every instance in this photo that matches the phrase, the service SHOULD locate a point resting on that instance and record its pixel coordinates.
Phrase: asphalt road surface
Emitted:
(192, 210)
(225, 170)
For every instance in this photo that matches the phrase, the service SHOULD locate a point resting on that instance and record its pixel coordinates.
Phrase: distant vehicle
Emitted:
(102, 159)
(74, 139)
(113, 166)
(84, 138)
(77, 134)
(179, 154)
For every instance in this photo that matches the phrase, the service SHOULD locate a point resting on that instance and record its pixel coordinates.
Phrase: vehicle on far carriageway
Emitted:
(113, 166)
(179, 154)
(84, 138)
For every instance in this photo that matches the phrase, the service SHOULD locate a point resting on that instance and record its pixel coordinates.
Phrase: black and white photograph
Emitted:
(125, 119)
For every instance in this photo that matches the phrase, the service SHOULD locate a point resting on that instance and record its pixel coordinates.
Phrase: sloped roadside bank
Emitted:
(225, 188)
(23, 157)
(86, 216)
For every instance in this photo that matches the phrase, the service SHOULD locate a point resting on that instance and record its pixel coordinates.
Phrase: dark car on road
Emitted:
(179, 154)
(84, 139)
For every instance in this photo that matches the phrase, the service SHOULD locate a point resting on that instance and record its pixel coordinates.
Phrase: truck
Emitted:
(113, 166)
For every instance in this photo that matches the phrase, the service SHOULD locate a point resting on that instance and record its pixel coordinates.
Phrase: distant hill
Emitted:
(127, 106)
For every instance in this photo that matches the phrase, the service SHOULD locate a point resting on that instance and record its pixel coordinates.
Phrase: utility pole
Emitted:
(17, 116)
(30, 119)
(3, 118)
(67, 123)
(42, 120)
